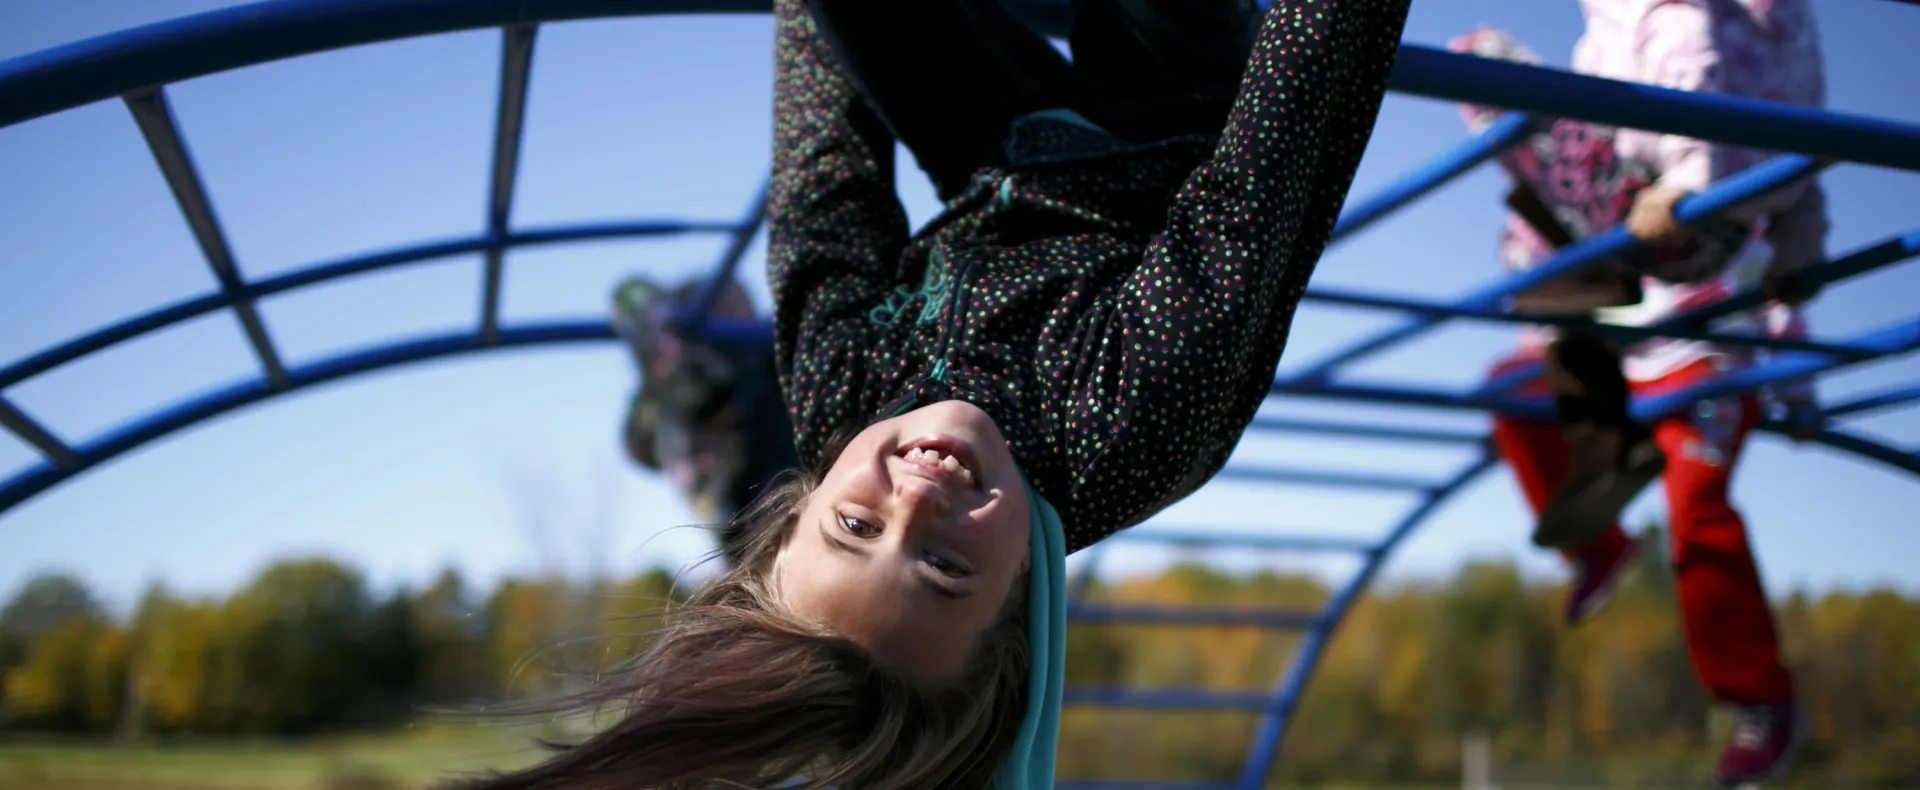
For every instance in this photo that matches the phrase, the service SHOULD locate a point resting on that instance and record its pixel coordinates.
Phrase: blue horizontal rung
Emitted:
(1861, 261)
(1899, 338)
(1124, 614)
(1503, 134)
(1773, 126)
(1429, 310)
(1318, 478)
(1258, 540)
(1363, 431)
(1881, 400)
(1169, 699)
(1766, 177)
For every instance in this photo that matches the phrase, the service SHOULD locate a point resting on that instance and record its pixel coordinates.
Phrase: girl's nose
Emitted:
(919, 500)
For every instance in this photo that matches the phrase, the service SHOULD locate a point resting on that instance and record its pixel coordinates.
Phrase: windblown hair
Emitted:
(734, 692)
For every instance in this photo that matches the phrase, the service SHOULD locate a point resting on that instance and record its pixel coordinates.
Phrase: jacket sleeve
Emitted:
(1185, 347)
(1681, 46)
(834, 227)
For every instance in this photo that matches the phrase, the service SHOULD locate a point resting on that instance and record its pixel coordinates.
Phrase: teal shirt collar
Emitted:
(1030, 765)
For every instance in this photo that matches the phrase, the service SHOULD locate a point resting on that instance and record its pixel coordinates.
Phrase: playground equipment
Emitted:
(137, 65)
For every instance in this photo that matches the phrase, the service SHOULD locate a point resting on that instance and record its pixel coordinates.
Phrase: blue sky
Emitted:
(509, 462)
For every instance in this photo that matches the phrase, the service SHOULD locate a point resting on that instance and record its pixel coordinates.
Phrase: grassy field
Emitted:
(406, 760)
(410, 759)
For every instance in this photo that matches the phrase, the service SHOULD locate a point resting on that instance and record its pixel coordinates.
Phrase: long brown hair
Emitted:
(734, 692)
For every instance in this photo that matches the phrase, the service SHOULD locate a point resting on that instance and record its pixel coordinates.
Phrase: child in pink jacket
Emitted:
(1575, 179)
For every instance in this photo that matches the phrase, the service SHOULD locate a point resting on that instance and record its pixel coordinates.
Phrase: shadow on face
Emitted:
(912, 542)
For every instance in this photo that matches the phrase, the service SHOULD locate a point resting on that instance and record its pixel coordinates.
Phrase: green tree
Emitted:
(526, 620)
(291, 649)
(176, 653)
(450, 632)
(73, 677)
(47, 601)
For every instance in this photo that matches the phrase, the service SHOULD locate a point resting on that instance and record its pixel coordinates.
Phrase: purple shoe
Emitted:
(1594, 581)
(1765, 737)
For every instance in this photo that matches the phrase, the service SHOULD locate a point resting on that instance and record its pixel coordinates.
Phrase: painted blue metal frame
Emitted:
(1506, 132)
(137, 65)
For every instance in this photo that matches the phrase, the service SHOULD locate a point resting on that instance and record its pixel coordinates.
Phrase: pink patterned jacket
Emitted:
(1764, 49)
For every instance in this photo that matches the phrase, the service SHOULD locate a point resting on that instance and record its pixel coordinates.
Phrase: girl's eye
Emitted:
(860, 529)
(945, 565)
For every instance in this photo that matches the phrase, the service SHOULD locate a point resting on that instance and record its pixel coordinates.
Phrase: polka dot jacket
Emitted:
(1119, 310)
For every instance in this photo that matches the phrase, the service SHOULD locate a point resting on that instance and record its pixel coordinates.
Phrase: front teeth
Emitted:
(947, 462)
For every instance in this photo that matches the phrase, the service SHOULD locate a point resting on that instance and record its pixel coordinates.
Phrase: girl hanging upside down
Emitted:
(1075, 343)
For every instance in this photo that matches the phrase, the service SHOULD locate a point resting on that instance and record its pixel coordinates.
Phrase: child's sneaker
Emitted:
(1595, 577)
(1607, 468)
(1765, 738)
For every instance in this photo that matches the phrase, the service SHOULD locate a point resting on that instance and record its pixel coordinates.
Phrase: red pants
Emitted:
(1729, 625)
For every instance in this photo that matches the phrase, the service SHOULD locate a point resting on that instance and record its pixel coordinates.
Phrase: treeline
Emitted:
(307, 647)
(1416, 669)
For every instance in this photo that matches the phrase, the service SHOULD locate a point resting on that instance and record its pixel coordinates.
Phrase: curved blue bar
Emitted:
(1273, 725)
(25, 485)
(201, 305)
(193, 46)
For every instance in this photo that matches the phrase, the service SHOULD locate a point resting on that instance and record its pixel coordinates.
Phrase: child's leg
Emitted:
(1537, 452)
(1729, 625)
(1161, 67)
(1730, 631)
(947, 75)
(1612, 457)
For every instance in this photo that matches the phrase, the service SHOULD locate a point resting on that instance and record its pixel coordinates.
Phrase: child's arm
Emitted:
(1188, 344)
(834, 227)
(1681, 46)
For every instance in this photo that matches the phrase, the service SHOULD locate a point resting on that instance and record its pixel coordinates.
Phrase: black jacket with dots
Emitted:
(1118, 310)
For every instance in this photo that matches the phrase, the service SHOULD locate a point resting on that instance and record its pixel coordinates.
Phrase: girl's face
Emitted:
(912, 543)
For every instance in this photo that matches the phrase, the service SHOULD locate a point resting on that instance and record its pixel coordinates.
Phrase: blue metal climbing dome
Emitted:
(137, 66)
